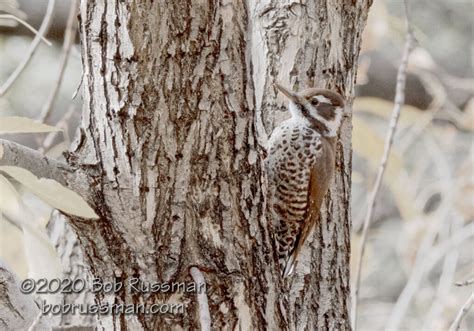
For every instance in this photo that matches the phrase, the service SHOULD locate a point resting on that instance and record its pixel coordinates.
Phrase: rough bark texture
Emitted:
(314, 45)
(168, 133)
(169, 140)
(72, 261)
(18, 311)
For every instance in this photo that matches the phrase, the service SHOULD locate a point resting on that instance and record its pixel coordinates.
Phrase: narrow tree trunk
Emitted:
(169, 140)
(314, 44)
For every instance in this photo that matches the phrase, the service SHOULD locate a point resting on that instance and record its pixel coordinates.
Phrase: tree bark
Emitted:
(168, 134)
(172, 140)
(18, 311)
(314, 45)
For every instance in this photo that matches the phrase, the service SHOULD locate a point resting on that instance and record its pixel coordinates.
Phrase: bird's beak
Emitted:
(290, 94)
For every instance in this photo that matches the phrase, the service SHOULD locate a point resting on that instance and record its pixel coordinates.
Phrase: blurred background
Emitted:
(421, 241)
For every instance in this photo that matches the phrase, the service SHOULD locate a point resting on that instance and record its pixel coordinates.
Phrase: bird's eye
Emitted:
(315, 102)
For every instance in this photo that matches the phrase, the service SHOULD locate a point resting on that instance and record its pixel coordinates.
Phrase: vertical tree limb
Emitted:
(42, 166)
(423, 266)
(25, 24)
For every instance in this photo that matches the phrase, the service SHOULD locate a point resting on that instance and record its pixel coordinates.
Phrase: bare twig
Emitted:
(25, 24)
(464, 309)
(423, 265)
(63, 124)
(69, 35)
(399, 101)
(11, 7)
(34, 45)
(13, 154)
(204, 314)
(465, 283)
(446, 277)
(74, 95)
(426, 249)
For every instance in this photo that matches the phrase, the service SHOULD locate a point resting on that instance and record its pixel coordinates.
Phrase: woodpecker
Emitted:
(300, 165)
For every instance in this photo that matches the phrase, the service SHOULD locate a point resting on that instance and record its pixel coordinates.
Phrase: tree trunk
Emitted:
(172, 140)
(314, 44)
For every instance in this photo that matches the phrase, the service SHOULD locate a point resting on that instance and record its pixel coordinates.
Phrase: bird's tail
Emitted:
(287, 260)
(287, 244)
(288, 265)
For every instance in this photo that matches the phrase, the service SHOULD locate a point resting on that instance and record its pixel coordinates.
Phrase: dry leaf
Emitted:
(15, 124)
(51, 192)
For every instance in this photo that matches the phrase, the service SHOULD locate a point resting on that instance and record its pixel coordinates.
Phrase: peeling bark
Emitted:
(168, 134)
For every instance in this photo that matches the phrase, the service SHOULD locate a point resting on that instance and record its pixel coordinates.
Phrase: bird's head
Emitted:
(322, 108)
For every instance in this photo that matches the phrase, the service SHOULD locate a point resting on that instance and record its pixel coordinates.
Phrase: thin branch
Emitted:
(204, 314)
(69, 35)
(465, 283)
(399, 101)
(13, 8)
(63, 124)
(74, 95)
(33, 46)
(463, 312)
(28, 26)
(13, 154)
(423, 265)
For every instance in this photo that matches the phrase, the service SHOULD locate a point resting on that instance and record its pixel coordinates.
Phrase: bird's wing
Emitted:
(317, 188)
